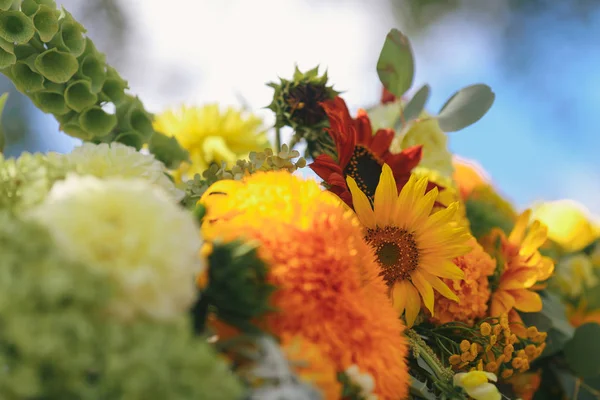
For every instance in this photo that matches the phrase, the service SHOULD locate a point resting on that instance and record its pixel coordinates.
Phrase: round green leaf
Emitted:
(79, 96)
(57, 66)
(93, 68)
(25, 79)
(582, 352)
(46, 23)
(50, 102)
(97, 122)
(465, 107)
(396, 66)
(5, 4)
(416, 104)
(6, 59)
(16, 27)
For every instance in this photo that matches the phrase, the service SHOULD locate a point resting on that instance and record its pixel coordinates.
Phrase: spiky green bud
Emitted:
(297, 104)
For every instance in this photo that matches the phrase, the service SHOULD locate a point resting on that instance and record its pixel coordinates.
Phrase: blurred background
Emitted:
(538, 142)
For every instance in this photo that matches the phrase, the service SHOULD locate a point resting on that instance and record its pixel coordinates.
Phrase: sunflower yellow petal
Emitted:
(440, 286)
(362, 205)
(422, 208)
(399, 297)
(385, 197)
(424, 288)
(445, 269)
(413, 304)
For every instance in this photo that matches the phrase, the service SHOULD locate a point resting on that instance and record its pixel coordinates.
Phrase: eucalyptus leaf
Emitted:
(396, 65)
(582, 352)
(3, 99)
(465, 107)
(420, 389)
(416, 104)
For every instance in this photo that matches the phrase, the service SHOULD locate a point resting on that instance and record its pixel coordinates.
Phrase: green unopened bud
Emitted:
(297, 104)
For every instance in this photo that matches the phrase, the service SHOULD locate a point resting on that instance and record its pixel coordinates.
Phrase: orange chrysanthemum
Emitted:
(312, 366)
(525, 385)
(360, 154)
(522, 266)
(329, 288)
(473, 291)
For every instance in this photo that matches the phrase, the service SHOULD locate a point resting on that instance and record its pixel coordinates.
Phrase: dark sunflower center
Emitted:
(396, 250)
(365, 168)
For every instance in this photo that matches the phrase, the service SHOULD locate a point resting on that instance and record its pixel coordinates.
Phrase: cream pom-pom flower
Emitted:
(118, 160)
(131, 231)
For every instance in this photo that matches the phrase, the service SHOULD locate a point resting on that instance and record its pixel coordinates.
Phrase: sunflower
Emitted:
(414, 248)
(211, 135)
(521, 266)
(329, 290)
(361, 154)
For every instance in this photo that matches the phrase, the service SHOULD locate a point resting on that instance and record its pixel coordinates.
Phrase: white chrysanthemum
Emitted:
(132, 231)
(363, 380)
(118, 160)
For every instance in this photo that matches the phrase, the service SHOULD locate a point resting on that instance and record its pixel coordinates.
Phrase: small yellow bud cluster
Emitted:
(495, 348)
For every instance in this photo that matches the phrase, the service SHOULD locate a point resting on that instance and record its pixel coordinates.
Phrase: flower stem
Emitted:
(277, 139)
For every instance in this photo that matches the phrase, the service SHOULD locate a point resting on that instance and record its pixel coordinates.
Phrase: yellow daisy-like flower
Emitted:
(574, 274)
(476, 384)
(569, 224)
(211, 135)
(414, 247)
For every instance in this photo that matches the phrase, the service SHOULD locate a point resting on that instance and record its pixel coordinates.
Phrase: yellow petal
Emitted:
(385, 197)
(362, 205)
(445, 269)
(526, 300)
(424, 289)
(422, 208)
(399, 297)
(413, 303)
(534, 239)
(518, 232)
(440, 286)
(215, 148)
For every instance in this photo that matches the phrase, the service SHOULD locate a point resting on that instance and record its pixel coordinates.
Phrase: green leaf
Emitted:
(582, 352)
(415, 106)
(420, 389)
(396, 66)
(57, 66)
(79, 96)
(465, 107)
(167, 150)
(97, 122)
(5, 4)
(46, 22)
(3, 99)
(15, 27)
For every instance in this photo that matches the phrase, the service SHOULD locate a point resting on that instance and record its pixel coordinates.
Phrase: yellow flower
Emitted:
(523, 266)
(569, 224)
(574, 274)
(414, 248)
(211, 135)
(476, 384)
(131, 232)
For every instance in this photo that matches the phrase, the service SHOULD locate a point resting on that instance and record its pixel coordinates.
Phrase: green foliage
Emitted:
(552, 320)
(262, 161)
(297, 104)
(415, 106)
(396, 65)
(465, 107)
(486, 210)
(237, 285)
(582, 351)
(58, 341)
(63, 73)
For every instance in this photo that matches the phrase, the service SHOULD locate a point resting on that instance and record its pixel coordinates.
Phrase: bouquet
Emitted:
(182, 255)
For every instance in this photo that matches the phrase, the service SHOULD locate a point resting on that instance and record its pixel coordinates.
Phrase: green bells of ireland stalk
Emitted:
(45, 53)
